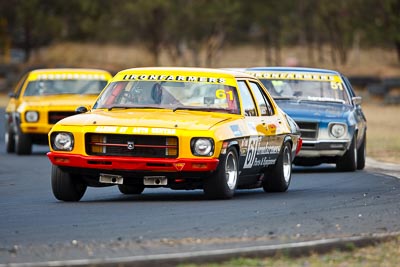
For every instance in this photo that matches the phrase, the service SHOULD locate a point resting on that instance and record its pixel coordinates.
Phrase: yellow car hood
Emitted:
(192, 120)
(60, 100)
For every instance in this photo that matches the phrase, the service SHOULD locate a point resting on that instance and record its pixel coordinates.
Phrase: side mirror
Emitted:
(357, 100)
(12, 95)
(81, 109)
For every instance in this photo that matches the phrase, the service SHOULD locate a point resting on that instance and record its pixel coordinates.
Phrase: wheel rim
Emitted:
(231, 171)
(355, 152)
(16, 139)
(287, 168)
(6, 138)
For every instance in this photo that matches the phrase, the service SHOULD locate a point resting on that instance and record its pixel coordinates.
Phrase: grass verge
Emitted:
(383, 133)
(381, 254)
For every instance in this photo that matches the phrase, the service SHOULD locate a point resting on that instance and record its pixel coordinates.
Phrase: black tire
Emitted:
(131, 189)
(222, 184)
(277, 177)
(65, 187)
(348, 162)
(23, 143)
(362, 153)
(9, 141)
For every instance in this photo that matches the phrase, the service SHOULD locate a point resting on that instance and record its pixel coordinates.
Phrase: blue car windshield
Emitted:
(307, 90)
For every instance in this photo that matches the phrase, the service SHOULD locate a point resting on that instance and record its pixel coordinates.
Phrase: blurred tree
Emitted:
(339, 18)
(205, 25)
(82, 20)
(391, 23)
(143, 21)
(32, 23)
(271, 19)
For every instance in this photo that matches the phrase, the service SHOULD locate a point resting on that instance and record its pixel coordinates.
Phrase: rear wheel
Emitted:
(23, 143)
(223, 183)
(131, 189)
(65, 187)
(277, 178)
(348, 162)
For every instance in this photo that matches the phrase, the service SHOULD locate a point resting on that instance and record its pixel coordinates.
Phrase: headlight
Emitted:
(62, 141)
(337, 130)
(31, 116)
(202, 147)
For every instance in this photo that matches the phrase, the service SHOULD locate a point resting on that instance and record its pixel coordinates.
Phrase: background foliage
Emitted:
(209, 25)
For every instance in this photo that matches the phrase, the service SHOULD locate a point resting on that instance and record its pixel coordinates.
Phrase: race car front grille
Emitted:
(308, 130)
(55, 116)
(131, 145)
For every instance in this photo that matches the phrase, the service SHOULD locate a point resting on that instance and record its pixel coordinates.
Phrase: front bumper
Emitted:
(133, 164)
(326, 148)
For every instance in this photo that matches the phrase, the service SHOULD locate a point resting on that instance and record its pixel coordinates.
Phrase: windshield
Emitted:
(172, 95)
(307, 90)
(60, 87)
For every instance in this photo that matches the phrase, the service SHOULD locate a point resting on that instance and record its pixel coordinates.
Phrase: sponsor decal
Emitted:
(271, 128)
(258, 154)
(294, 76)
(254, 142)
(106, 129)
(176, 78)
(158, 131)
(236, 130)
(71, 76)
(263, 162)
(268, 150)
(135, 130)
(252, 128)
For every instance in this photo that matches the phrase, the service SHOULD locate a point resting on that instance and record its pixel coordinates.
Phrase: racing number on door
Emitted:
(254, 142)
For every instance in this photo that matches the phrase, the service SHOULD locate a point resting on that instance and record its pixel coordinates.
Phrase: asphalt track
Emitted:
(323, 209)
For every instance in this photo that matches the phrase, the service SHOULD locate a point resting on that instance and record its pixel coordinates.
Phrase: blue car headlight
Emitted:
(337, 130)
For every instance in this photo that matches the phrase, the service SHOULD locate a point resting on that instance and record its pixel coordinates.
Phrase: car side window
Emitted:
(18, 88)
(247, 100)
(262, 99)
(350, 90)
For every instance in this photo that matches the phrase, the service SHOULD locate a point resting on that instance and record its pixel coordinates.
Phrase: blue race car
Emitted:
(323, 104)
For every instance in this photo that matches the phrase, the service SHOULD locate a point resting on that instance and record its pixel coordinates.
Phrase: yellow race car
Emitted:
(181, 128)
(42, 97)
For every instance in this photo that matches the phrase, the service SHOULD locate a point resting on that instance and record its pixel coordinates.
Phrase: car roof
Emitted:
(177, 70)
(294, 69)
(60, 70)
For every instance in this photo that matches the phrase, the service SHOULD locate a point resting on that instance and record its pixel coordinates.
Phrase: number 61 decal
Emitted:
(336, 85)
(221, 94)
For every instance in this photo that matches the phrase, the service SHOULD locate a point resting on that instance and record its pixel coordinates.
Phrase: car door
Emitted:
(271, 124)
(260, 145)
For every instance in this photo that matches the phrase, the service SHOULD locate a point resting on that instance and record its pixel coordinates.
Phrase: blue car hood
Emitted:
(314, 110)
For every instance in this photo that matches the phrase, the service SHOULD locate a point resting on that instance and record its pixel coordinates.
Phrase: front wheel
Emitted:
(23, 143)
(65, 187)
(348, 162)
(277, 178)
(9, 141)
(362, 153)
(222, 184)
